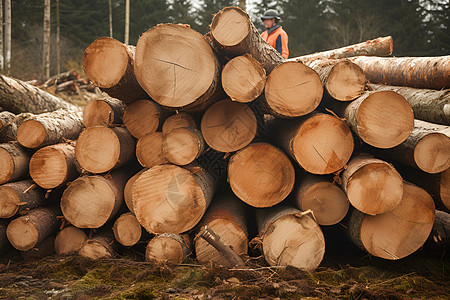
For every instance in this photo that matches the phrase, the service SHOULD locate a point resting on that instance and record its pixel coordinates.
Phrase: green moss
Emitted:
(185, 277)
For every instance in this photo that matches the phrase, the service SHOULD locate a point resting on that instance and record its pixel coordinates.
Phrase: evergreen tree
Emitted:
(181, 12)
(207, 10)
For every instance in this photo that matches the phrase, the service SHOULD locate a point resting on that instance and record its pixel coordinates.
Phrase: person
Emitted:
(275, 35)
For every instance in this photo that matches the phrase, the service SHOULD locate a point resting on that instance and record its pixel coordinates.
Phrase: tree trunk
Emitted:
(328, 203)
(243, 78)
(261, 175)
(176, 66)
(127, 229)
(19, 197)
(14, 160)
(373, 186)
(182, 146)
(168, 248)
(27, 231)
(142, 117)
(169, 198)
(50, 128)
(398, 233)
(101, 149)
(103, 112)
(46, 40)
(110, 65)
(54, 165)
(149, 150)
(69, 240)
(418, 72)
(100, 245)
(178, 120)
(229, 126)
(428, 105)
(440, 234)
(8, 127)
(128, 190)
(290, 238)
(17, 96)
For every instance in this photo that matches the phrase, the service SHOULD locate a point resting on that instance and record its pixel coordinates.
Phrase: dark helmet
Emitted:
(270, 14)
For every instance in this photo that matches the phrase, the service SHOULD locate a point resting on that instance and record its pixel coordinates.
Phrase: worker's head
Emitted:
(270, 18)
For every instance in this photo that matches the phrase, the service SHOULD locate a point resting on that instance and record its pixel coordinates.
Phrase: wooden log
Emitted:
(142, 117)
(178, 120)
(228, 126)
(182, 146)
(261, 175)
(290, 238)
(62, 77)
(373, 186)
(37, 131)
(398, 233)
(440, 233)
(29, 230)
(328, 202)
(418, 72)
(127, 230)
(54, 165)
(8, 127)
(19, 197)
(110, 65)
(428, 105)
(128, 190)
(4, 243)
(69, 240)
(101, 149)
(18, 96)
(168, 248)
(243, 78)
(103, 112)
(14, 160)
(169, 198)
(149, 151)
(320, 143)
(43, 249)
(100, 245)
(176, 66)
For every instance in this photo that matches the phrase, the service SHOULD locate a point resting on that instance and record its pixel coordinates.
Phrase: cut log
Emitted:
(100, 245)
(290, 238)
(103, 112)
(60, 78)
(27, 231)
(142, 117)
(226, 217)
(43, 249)
(418, 72)
(373, 186)
(169, 198)
(127, 229)
(54, 165)
(182, 146)
(228, 126)
(110, 65)
(18, 96)
(399, 232)
(261, 175)
(19, 197)
(243, 78)
(4, 243)
(328, 203)
(440, 234)
(77, 203)
(178, 120)
(168, 248)
(128, 190)
(69, 240)
(320, 143)
(8, 127)
(14, 161)
(428, 105)
(176, 66)
(101, 149)
(50, 128)
(149, 151)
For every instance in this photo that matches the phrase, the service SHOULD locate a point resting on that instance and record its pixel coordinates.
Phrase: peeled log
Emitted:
(399, 232)
(142, 117)
(127, 229)
(228, 126)
(100, 245)
(19, 197)
(69, 240)
(261, 175)
(8, 127)
(103, 112)
(418, 72)
(110, 65)
(182, 146)
(168, 248)
(373, 186)
(101, 149)
(178, 120)
(169, 198)
(176, 66)
(149, 151)
(290, 238)
(14, 160)
(50, 128)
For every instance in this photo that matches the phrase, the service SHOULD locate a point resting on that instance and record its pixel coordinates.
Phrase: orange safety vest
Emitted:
(278, 39)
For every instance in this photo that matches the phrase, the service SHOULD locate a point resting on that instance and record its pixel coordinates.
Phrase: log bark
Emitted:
(261, 175)
(37, 131)
(182, 146)
(14, 160)
(110, 65)
(417, 72)
(176, 66)
(440, 233)
(290, 238)
(100, 245)
(60, 78)
(398, 233)
(101, 149)
(8, 127)
(168, 248)
(4, 243)
(127, 230)
(149, 151)
(43, 249)
(19, 197)
(178, 120)
(103, 112)
(69, 240)
(428, 105)
(373, 186)
(142, 117)
(128, 190)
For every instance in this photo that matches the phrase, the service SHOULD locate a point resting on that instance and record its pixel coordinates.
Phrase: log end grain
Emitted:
(230, 31)
(31, 134)
(167, 249)
(69, 240)
(445, 188)
(9, 201)
(7, 163)
(178, 120)
(432, 153)
(95, 250)
(22, 234)
(182, 146)
(99, 113)
(127, 229)
(142, 117)
(346, 81)
(149, 150)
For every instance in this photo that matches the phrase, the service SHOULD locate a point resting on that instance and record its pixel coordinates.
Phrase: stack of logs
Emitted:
(303, 143)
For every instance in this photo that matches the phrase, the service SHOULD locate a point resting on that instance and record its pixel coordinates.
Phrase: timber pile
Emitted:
(208, 139)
